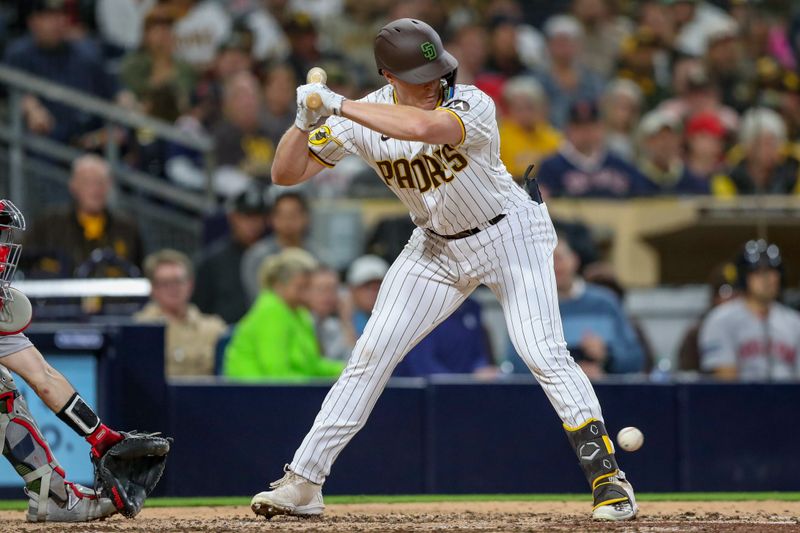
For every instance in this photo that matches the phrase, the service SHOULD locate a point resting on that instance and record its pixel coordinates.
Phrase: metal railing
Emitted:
(19, 83)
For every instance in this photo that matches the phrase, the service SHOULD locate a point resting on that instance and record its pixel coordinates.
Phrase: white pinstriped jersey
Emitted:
(447, 189)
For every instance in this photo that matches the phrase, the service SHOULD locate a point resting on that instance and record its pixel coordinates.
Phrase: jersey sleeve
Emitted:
(717, 349)
(475, 110)
(329, 143)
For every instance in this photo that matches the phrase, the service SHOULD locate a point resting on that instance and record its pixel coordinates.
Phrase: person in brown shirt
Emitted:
(86, 238)
(191, 336)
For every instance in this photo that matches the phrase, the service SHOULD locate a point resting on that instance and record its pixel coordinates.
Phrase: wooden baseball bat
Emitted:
(315, 75)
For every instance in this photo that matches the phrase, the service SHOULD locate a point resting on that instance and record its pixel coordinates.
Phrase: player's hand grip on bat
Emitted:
(330, 102)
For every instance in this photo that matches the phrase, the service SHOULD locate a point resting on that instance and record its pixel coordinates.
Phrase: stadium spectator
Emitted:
(364, 278)
(279, 98)
(603, 34)
(566, 80)
(729, 68)
(47, 52)
(526, 137)
(764, 163)
(153, 65)
(584, 167)
(264, 21)
(660, 156)
(191, 336)
(220, 289)
(696, 93)
(598, 334)
(470, 47)
(722, 288)
(327, 305)
(204, 26)
(86, 238)
(290, 218)
(705, 145)
(304, 49)
(694, 20)
(621, 107)
(120, 23)
(459, 345)
(644, 59)
(243, 145)
(276, 339)
(754, 337)
(235, 53)
(503, 60)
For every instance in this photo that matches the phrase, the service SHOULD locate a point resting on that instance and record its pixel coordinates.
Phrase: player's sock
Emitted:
(85, 422)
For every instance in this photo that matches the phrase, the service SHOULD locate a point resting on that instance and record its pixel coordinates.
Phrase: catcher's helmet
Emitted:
(10, 219)
(412, 51)
(755, 255)
(15, 308)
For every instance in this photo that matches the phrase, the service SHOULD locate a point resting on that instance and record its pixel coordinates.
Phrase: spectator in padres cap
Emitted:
(219, 288)
(584, 167)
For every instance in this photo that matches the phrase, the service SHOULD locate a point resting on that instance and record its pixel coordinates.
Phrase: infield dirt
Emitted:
(455, 516)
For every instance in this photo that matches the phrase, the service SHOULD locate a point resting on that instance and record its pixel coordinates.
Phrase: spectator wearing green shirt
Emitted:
(276, 338)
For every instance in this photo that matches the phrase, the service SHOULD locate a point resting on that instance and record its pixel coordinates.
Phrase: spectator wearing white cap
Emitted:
(660, 155)
(764, 162)
(621, 107)
(364, 279)
(566, 79)
(526, 136)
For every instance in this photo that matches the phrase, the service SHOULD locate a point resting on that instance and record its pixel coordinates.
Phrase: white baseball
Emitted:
(630, 439)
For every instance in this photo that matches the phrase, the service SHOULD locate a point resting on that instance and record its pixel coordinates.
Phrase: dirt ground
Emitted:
(458, 517)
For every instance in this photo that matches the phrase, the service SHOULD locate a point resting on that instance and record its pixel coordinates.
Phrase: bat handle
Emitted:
(313, 101)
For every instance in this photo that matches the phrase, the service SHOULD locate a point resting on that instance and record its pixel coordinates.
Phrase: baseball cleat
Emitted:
(621, 502)
(83, 505)
(291, 495)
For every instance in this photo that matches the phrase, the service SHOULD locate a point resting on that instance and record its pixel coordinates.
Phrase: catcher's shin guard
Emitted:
(26, 449)
(596, 455)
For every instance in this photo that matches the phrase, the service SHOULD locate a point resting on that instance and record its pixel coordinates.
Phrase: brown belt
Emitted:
(470, 232)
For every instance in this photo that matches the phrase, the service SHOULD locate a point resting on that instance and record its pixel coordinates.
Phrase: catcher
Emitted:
(127, 465)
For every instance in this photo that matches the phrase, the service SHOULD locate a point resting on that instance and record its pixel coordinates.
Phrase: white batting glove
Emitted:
(307, 119)
(331, 102)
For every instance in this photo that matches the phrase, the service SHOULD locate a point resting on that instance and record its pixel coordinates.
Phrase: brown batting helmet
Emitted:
(413, 52)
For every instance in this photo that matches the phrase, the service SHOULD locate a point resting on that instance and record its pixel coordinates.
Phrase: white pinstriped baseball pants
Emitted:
(427, 282)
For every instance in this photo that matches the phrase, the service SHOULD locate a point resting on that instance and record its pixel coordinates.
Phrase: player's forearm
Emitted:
(291, 158)
(404, 122)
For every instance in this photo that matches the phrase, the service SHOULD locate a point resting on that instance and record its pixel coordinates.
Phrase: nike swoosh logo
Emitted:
(384, 137)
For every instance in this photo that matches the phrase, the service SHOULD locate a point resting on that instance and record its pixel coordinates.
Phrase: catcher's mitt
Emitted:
(130, 469)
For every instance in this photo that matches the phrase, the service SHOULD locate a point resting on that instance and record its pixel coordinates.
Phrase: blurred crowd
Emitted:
(608, 98)
(611, 98)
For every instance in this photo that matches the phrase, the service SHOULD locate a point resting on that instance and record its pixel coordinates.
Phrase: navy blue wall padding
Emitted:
(740, 437)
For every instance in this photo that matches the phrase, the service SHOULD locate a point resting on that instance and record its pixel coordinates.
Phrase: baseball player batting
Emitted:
(435, 144)
(51, 498)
